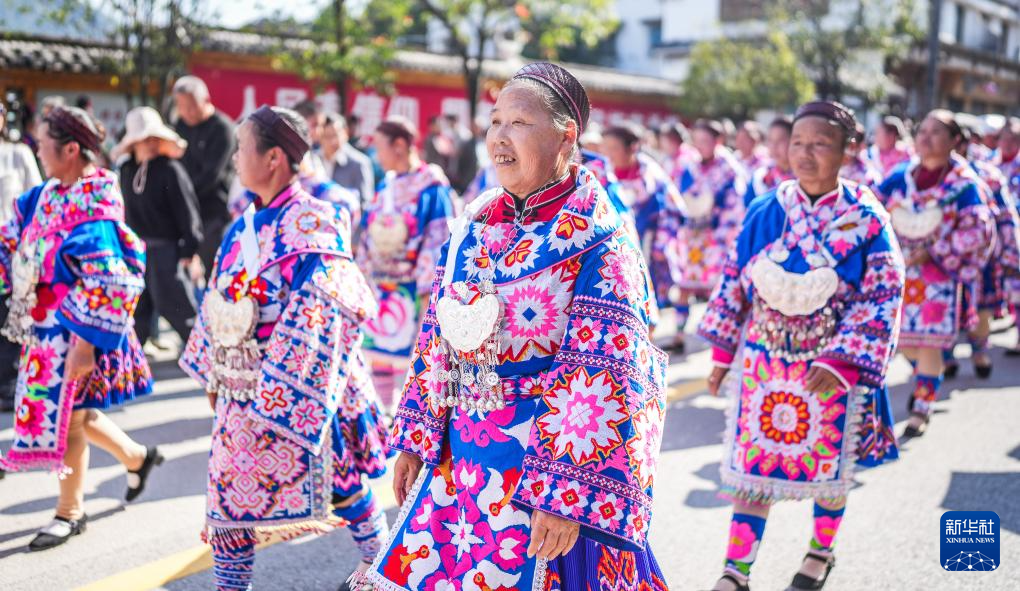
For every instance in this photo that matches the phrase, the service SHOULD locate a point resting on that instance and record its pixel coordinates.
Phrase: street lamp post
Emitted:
(935, 23)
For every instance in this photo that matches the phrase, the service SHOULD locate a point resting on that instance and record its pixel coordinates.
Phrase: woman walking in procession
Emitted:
(777, 168)
(711, 190)
(531, 420)
(806, 317)
(73, 272)
(277, 346)
(403, 227)
(652, 204)
(988, 297)
(947, 233)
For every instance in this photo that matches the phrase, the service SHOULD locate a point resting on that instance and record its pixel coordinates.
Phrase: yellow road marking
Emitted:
(157, 573)
(199, 558)
(196, 559)
(687, 390)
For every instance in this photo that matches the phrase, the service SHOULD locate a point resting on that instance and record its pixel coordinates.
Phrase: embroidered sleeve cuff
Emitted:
(607, 510)
(722, 357)
(418, 433)
(847, 374)
(104, 337)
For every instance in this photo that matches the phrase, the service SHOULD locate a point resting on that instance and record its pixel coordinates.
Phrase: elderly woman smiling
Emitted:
(808, 307)
(531, 419)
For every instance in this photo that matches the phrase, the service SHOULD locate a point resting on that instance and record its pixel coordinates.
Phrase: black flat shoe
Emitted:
(912, 431)
(950, 370)
(739, 586)
(802, 582)
(57, 532)
(137, 478)
(983, 372)
(678, 347)
(1015, 352)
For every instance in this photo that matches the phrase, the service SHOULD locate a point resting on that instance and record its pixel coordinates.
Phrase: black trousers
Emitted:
(212, 234)
(10, 353)
(167, 292)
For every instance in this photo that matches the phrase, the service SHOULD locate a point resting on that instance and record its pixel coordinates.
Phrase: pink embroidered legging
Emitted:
(388, 378)
(92, 426)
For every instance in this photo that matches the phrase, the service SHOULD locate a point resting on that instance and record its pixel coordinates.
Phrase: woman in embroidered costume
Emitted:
(712, 190)
(403, 228)
(539, 316)
(314, 182)
(986, 299)
(808, 307)
(947, 233)
(777, 170)
(650, 202)
(678, 153)
(277, 346)
(856, 168)
(890, 150)
(1008, 160)
(73, 271)
(749, 149)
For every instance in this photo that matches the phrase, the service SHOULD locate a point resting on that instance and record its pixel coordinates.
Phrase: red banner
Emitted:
(238, 92)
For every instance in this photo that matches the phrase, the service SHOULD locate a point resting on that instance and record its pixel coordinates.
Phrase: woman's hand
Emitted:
(405, 472)
(81, 359)
(919, 258)
(820, 380)
(551, 536)
(715, 379)
(212, 399)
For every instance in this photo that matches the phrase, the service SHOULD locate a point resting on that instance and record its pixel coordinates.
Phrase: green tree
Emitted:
(472, 25)
(346, 48)
(156, 36)
(826, 42)
(738, 78)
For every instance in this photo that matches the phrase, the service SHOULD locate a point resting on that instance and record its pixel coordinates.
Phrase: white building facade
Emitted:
(979, 46)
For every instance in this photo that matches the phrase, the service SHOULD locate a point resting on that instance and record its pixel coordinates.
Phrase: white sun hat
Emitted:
(144, 122)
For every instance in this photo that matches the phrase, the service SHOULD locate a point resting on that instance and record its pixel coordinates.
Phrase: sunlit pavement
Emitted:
(968, 460)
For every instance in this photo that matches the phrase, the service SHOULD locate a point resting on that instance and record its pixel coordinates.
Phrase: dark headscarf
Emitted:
(947, 118)
(715, 128)
(281, 132)
(77, 124)
(833, 111)
(567, 89)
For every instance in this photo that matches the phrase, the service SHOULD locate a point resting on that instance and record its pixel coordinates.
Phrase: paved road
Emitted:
(969, 460)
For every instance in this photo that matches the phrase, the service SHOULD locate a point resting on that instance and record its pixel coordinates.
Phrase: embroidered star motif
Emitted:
(273, 399)
(314, 316)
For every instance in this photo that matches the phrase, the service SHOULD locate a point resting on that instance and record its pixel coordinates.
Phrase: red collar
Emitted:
(925, 179)
(629, 173)
(541, 206)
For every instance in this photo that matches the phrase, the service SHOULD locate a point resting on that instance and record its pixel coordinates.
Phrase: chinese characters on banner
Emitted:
(238, 92)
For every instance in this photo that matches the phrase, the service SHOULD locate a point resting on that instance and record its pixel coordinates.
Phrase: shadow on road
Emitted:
(93, 517)
(175, 478)
(690, 426)
(986, 491)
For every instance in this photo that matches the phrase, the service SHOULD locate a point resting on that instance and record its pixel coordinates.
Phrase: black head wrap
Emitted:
(833, 111)
(77, 124)
(567, 89)
(283, 134)
(947, 118)
(716, 128)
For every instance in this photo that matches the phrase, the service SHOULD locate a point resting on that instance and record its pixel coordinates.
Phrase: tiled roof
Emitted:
(57, 55)
(62, 55)
(594, 78)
